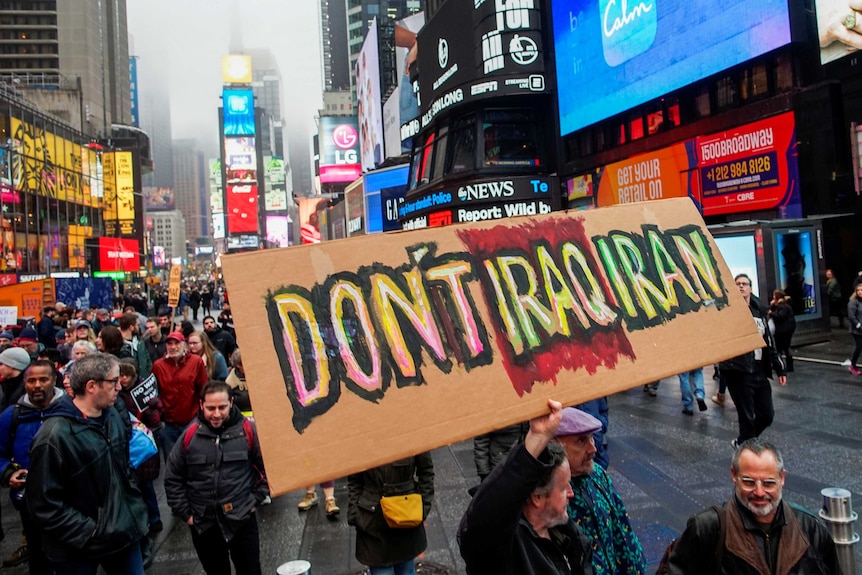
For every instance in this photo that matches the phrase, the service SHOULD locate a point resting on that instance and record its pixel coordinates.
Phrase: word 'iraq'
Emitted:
(549, 297)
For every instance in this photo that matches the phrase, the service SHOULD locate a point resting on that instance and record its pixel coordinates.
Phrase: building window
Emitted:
(510, 138)
(726, 94)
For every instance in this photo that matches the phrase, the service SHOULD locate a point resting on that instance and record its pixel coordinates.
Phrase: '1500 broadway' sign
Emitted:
(364, 352)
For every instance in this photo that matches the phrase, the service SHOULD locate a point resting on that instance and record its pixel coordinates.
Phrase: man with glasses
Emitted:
(747, 376)
(756, 531)
(80, 489)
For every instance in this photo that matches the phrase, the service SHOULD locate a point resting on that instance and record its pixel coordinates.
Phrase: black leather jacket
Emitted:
(80, 489)
(797, 544)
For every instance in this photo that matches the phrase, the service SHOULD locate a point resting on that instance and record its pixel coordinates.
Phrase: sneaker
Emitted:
(331, 508)
(266, 500)
(855, 370)
(646, 388)
(701, 404)
(718, 399)
(17, 557)
(687, 412)
(733, 444)
(309, 501)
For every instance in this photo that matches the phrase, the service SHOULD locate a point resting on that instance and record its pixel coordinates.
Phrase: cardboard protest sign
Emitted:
(362, 351)
(144, 392)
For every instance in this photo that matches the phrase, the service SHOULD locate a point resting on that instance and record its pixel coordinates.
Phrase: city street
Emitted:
(664, 464)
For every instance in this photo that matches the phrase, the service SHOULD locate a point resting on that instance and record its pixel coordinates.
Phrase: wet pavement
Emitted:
(664, 464)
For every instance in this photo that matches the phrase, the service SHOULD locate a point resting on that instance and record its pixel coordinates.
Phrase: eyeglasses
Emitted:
(749, 484)
(113, 381)
(743, 284)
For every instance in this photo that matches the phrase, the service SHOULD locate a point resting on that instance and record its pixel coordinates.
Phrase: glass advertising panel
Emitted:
(612, 56)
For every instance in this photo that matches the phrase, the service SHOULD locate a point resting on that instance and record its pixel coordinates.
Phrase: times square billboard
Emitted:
(474, 50)
(339, 149)
(610, 59)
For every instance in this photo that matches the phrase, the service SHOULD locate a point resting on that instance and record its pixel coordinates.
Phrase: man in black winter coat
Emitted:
(218, 502)
(756, 532)
(518, 521)
(747, 375)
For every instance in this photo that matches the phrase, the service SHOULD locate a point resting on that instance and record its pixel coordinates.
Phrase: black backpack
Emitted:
(719, 548)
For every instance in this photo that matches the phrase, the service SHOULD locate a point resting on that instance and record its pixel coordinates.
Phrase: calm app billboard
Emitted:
(613, 55)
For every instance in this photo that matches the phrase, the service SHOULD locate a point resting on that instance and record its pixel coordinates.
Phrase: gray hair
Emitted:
(95, 366)
(757, 446)
(82, 343)
(557, 454)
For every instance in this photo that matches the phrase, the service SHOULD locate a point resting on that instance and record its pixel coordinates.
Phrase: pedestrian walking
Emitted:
(747, 375)
(781, 314)
(854, 316)
(692, 380)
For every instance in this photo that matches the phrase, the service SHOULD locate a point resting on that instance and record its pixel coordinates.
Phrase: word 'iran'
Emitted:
(555, 300)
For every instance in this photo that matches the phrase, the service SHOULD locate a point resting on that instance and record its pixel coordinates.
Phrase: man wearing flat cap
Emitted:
(517, 523)
(595, 505)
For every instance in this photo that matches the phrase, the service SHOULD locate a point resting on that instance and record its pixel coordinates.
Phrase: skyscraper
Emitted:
(333, 45)
(190, 188)
(73, 57)
(266, 84)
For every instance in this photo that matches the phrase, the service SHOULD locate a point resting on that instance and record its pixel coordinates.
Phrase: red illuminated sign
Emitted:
(118, 255)
(241, 209)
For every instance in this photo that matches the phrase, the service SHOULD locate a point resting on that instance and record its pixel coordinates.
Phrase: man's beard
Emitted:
(762, 510)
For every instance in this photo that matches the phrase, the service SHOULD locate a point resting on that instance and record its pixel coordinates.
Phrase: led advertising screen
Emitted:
(339, 149)
(133, 91)
(275, 191)
(238, 111)
(741, 256)
(309, 219)
(158, 256)
(368, 107)
(794, 254)
(239, 154)
(613, 55)
(751, 167)
(159, 199)
(384, 194)
(401, 109)
(276, 230)
(474, 50)
(241, 208)
(839, 29)
(118, 255)
(218, 226)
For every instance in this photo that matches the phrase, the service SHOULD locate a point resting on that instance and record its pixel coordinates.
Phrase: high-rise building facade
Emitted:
(190, 187)
(168, 232)
(333, 45)
(73, 58)
(156, 122)
(266, 84)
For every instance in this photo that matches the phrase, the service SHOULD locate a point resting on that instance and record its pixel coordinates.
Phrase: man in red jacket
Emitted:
(181, 377)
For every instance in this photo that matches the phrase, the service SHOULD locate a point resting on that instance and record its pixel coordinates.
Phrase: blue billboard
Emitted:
(238, 112)
(133, 90)
(384, 192)
(613, 55)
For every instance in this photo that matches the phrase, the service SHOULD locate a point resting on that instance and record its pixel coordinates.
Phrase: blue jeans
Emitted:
(125, 562)
(406, 568)
(151, 499)
(686, 381)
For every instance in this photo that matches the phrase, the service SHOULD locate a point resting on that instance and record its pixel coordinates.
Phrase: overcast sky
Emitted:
(180, 44)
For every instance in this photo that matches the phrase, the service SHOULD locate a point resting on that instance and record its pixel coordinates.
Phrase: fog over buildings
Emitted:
(180, 44)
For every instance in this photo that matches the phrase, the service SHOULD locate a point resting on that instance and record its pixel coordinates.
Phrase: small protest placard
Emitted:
(8, 315)
(144, 392)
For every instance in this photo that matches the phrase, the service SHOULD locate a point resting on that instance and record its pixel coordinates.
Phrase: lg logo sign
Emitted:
(345, 138)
